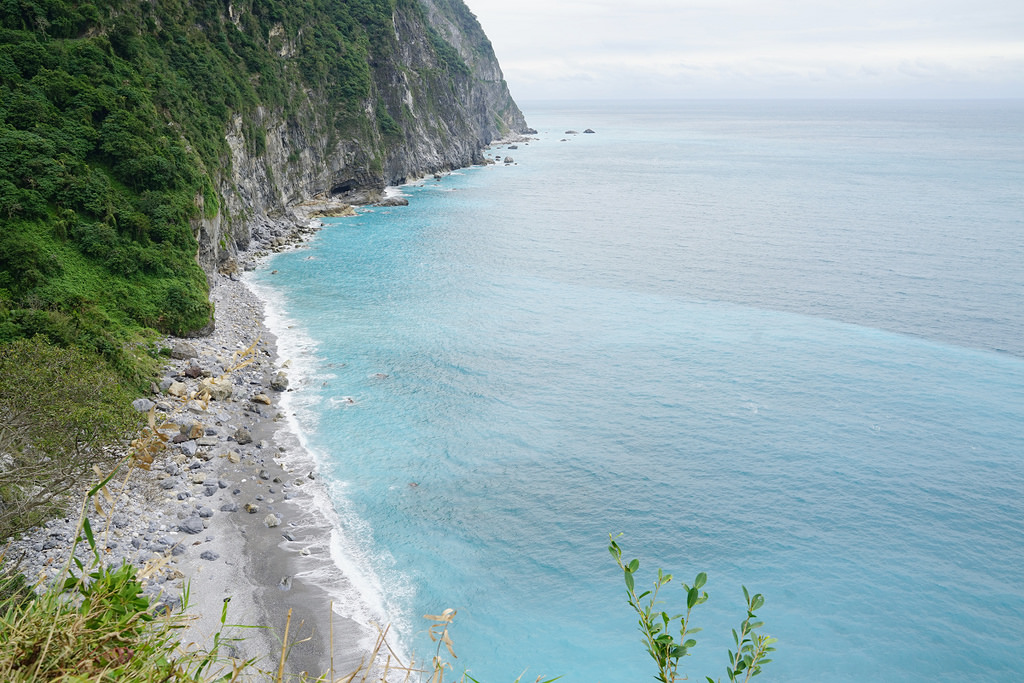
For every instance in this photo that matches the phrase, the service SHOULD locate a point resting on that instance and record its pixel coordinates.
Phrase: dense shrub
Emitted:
(59, 410)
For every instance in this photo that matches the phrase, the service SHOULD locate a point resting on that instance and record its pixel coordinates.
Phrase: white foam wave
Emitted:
(348, 576)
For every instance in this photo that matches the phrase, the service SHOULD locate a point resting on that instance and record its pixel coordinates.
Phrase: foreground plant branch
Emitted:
(657, 626)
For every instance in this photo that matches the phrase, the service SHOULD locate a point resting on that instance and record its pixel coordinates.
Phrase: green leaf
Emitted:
(692, 597)
(758, 602)
(629, 580)
(634, 565)
(701, 579)
(746, 595)
(88, 533)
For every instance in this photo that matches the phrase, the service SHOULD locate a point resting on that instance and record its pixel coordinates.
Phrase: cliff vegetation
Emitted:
(141, 143)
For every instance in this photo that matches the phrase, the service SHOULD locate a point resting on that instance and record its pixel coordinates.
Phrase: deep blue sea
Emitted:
(779, 342)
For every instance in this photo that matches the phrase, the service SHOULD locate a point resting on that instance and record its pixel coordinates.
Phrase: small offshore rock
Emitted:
(271, 521)
(288, 536)
(393, 201)
(589, 131)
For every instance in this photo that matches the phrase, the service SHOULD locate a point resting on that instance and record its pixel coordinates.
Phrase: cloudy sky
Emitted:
(757, 48)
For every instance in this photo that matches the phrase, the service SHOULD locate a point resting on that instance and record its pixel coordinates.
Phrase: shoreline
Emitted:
(233, 509)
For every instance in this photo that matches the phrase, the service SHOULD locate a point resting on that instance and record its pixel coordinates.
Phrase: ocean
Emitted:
(778, 342)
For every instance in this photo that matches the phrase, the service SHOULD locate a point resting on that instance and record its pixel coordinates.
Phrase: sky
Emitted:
(612, 49)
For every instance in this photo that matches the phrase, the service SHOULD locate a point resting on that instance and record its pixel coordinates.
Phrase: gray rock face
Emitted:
(393, 201)
(446, 115)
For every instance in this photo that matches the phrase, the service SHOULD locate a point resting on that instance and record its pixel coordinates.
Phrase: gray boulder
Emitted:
(182, 350)
(242, 436)
(192, 525)
(280, 382)
(142, 405)
(218, 389)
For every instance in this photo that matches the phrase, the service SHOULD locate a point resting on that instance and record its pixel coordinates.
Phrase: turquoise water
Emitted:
(778, 342)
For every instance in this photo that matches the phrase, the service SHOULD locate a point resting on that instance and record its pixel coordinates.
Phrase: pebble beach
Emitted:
(228, 510)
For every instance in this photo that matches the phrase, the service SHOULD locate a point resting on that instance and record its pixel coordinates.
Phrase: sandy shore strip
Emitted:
(232, 508)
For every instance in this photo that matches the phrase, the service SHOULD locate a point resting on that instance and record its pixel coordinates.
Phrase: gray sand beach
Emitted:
(232, 510)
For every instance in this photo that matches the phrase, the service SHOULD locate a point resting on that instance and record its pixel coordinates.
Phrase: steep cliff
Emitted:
(141, 143)
(436, 97)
